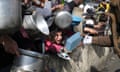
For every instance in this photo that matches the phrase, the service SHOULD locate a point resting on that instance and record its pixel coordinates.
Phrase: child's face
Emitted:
(58, 37)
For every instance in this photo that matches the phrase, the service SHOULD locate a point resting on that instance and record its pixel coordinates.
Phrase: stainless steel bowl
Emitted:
(63, 19)
(28, 61)
(35, 25)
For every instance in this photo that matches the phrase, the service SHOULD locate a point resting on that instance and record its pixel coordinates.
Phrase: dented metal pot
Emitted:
(35, 25)
(10, 16)
(29, 61)
(63, 19)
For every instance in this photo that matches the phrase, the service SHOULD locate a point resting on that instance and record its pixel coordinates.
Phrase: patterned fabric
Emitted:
(102, 40)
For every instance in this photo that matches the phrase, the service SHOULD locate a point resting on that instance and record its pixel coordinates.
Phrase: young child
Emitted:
(54, 44)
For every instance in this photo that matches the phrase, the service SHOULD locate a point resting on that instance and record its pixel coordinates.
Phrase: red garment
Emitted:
(52, 47)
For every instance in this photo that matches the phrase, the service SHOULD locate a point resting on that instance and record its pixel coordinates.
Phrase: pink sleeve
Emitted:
(57, 47)
(52, 47)
(47, 45)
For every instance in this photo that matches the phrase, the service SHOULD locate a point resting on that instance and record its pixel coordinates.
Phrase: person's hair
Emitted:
(53, 34)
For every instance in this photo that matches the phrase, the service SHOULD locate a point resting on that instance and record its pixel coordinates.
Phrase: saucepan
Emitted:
(29, 61)
(63, 19)
(35, 25)
(10, 16)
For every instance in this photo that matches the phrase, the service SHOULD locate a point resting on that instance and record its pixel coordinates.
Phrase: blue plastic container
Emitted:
(76, 20)
(73, 41)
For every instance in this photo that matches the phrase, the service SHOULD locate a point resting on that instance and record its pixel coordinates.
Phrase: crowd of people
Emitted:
(54, 43)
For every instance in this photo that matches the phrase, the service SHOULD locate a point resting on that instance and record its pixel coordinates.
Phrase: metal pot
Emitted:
(35, 25)
(10, 15)
(28, 61)
(63, 19)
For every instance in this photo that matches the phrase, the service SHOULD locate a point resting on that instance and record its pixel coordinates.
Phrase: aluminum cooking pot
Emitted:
(10, 16)
(35, 25)
(63, 19)
(29, 61)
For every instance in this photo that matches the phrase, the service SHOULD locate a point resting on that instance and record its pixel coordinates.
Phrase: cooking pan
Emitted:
(10, 16)
(63, 19)
(28, 61)
(35, 25)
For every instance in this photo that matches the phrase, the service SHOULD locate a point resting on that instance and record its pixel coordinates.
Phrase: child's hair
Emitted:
(53, 34)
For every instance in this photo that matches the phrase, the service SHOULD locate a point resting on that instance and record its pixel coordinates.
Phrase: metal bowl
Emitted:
(28, 61)
(63, 19)
(10, 16)
(35, 25)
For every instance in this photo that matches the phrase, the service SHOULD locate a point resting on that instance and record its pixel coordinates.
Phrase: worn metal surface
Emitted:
(28, 61)
(10, 16)
(63, 19)
(35, 26)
